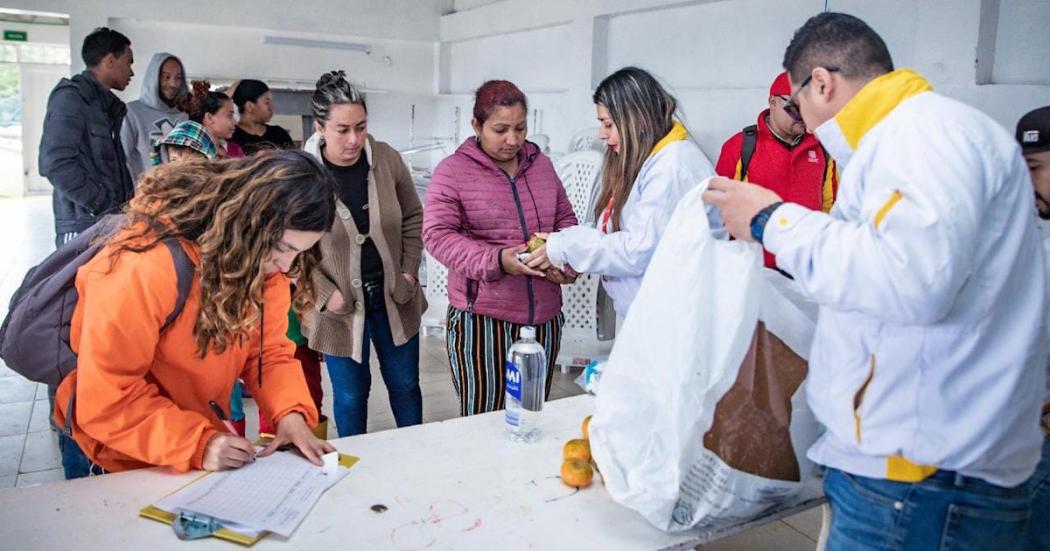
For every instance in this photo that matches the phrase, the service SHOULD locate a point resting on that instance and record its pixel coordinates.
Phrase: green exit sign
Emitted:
(15, 36)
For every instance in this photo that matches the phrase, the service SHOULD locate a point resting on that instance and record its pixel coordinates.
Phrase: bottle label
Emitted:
(513, 384)
(513, 381)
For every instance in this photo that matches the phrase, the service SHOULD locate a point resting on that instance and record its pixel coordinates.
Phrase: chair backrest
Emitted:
(579, 173)
(586, 140)
(436, 293)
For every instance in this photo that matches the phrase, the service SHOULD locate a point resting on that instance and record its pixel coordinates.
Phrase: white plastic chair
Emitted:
(586, 140)
(579, 173)
(435, 317)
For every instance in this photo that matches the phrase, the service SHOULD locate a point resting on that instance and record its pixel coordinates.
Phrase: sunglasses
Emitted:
(791, 105)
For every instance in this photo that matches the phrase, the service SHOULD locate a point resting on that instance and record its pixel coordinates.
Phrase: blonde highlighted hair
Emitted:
(643, 113)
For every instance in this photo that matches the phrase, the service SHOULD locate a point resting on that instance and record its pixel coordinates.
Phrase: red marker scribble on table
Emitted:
(445, 516)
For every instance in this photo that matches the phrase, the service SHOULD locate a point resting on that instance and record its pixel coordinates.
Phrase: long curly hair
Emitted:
(236, 211)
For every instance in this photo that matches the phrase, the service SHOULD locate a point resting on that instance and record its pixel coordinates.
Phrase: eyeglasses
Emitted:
(791, 105)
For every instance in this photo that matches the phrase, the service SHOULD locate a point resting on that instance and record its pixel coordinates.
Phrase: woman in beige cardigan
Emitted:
(367, 292)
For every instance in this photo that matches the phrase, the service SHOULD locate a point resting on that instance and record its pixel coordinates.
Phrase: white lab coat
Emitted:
(621, 257)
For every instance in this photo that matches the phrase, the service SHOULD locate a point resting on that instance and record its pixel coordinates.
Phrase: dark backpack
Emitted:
(747, 149)
(34, 338)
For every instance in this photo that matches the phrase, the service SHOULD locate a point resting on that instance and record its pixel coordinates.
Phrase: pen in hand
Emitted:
(222, 417)
(229, 450)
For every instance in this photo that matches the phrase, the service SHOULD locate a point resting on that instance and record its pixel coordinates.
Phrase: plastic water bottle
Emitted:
(526, 380)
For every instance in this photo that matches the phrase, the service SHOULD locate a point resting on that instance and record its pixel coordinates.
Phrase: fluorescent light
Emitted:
(310, 43)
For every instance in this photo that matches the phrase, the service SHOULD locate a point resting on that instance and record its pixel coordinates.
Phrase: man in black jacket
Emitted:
(80, 150)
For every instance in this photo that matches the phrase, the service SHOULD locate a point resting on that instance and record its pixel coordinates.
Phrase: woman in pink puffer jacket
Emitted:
(483, 204)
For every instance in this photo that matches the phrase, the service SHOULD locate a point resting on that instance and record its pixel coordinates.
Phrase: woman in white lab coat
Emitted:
(650, 163)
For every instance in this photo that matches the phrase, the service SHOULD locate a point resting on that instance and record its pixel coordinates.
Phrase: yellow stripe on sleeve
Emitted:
(895, 197)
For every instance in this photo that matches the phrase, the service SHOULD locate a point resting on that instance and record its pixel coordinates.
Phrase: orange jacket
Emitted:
(142, 396)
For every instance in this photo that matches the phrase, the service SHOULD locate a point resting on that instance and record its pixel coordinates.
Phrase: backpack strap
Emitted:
(184, 271)
(747, 149)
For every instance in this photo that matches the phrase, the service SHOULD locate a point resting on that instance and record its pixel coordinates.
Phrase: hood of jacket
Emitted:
(150, 94)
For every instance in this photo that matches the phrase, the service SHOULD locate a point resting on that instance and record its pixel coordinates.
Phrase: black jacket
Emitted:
(81, 154)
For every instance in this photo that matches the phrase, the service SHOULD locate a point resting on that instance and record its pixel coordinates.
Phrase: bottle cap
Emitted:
(527, 332)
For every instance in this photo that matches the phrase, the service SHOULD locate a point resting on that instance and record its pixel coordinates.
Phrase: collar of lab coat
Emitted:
(842, 134)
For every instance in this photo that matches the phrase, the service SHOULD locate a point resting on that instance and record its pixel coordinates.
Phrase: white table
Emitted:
(458, 484)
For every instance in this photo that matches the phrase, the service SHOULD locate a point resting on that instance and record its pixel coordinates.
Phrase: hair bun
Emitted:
(331, 78)
(200, 88)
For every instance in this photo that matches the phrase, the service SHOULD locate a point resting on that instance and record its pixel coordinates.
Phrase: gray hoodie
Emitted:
(149, 118)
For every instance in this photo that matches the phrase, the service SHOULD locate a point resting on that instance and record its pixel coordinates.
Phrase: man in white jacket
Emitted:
(1033, 133)
(928, 363)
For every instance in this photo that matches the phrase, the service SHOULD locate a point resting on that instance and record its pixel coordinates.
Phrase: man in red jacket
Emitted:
(777, 153)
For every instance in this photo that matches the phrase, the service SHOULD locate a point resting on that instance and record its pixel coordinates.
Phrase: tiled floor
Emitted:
(28, 448)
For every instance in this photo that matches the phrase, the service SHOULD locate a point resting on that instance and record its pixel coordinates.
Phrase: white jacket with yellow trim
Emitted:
(675, 167)
(930, 349)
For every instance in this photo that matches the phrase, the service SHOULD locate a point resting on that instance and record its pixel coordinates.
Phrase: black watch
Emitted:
(758, 223)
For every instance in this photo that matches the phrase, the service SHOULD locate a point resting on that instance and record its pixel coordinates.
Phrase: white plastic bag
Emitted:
(692, 346)
(591, 376)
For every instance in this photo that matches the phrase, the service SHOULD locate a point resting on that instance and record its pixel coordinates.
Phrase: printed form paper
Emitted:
(274, 493)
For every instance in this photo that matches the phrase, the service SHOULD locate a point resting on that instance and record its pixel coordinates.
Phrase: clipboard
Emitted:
(168, 517)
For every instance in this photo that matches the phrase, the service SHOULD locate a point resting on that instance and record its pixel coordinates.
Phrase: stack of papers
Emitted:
(273, 494)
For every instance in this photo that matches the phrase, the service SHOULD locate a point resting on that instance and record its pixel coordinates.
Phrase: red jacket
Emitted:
(803, 174)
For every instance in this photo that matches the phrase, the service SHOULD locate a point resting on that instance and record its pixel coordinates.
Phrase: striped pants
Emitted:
(477, 355)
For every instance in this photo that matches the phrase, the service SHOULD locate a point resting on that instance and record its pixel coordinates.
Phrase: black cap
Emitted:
(1033, 131)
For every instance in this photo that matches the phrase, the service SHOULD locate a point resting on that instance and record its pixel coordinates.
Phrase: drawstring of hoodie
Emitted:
(262, 323)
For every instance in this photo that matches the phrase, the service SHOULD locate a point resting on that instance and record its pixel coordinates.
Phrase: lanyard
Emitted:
(606, 214)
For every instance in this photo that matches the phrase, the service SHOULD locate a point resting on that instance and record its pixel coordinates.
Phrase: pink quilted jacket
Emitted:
(473, 210)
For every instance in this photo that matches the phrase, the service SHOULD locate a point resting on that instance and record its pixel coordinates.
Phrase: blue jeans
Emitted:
(1038, 534)
(352, 381)
(945, 511)
(74, 463)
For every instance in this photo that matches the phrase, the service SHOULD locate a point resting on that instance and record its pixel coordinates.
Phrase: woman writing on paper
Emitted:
(142, 393)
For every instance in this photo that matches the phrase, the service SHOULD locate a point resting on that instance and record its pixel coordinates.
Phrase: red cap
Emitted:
(781, 86)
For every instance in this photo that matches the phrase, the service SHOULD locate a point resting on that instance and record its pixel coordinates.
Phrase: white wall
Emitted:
(223, 39)
(411, 20)
(1022, 43)
(219, 51)
(531, 50)
(39, 34)
(464, 5)
(719, 57)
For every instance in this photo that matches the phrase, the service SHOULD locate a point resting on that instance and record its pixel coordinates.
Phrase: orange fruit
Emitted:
(577, 473)
(587, 427)
(577, 449)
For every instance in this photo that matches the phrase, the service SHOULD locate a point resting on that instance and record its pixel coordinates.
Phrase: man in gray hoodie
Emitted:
(155, 113)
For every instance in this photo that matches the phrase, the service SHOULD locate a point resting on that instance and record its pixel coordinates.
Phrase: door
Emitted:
(38, 80)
